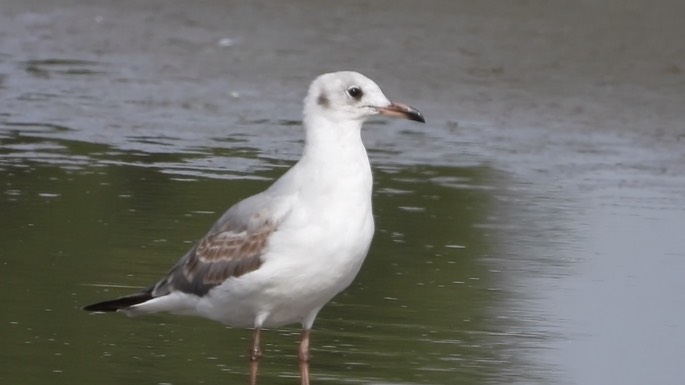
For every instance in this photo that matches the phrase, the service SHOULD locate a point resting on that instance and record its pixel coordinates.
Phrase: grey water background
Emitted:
(530, 233)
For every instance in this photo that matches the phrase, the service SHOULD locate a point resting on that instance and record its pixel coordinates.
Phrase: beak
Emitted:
(400, 110)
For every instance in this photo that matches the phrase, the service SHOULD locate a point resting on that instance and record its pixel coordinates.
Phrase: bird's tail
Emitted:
(120, 303)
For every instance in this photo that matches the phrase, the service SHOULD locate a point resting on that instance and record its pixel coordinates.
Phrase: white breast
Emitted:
(316, 251)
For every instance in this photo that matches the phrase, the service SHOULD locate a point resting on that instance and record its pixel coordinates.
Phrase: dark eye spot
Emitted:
(355, 92)
(323, 101)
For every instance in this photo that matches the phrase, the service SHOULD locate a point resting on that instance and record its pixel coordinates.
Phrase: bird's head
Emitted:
(351, 96)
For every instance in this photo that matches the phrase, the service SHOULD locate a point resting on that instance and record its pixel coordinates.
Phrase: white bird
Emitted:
(278, 257)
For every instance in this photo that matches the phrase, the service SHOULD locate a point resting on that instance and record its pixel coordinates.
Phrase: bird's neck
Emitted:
(334, 164)
(334, 144)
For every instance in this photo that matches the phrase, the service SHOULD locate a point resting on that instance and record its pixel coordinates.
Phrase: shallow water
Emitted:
(529, 233)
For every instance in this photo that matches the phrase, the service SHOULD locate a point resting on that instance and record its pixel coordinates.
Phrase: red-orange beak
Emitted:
(404, 111)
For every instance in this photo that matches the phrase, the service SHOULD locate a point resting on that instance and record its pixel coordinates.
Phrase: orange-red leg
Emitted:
(304, 357)
(254, 355)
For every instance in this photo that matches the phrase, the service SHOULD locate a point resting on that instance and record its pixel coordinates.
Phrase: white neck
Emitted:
(333, 141)
(334, 157)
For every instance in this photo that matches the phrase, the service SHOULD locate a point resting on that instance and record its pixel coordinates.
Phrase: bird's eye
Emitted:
(355, 92)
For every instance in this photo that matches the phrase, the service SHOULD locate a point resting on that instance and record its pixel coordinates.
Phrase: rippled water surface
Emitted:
(530, 233)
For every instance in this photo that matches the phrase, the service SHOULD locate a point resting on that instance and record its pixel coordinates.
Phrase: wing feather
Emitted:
(232, 248)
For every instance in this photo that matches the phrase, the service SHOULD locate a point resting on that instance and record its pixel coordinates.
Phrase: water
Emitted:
(529, 233)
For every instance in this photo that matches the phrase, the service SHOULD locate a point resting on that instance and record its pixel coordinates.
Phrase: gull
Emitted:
(278, 257)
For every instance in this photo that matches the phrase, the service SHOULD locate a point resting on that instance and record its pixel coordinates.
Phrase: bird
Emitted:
(277, 257)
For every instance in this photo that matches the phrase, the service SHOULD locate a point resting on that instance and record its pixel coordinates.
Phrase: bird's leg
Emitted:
(255, 354)
(304, 357)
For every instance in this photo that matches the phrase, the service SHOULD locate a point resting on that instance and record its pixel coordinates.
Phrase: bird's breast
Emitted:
(328, 231)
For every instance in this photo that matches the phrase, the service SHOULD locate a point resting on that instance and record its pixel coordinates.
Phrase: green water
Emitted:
(421, 311)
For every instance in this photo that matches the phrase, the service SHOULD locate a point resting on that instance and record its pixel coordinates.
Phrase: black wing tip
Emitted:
(106, 306)
(119, 303)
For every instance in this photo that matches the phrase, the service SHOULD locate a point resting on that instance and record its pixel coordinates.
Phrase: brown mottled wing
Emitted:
(229, 250)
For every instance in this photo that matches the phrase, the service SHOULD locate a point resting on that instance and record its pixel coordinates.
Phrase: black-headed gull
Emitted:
(278, 257)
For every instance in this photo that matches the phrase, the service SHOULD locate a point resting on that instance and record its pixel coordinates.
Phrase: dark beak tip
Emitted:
(415, 115)
(412, 113)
